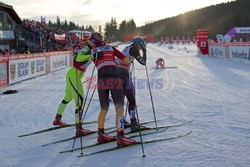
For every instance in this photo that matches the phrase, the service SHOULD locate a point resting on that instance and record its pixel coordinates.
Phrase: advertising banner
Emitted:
(239, 53)
(58, 62)
(217, 51)
(7, 34)
(25, 68)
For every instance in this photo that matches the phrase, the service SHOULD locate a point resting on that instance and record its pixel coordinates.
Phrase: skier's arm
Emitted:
(120, 55)
(136, 54)
(84, 54)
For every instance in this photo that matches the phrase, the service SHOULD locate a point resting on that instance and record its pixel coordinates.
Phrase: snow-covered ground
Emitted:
(214, 93)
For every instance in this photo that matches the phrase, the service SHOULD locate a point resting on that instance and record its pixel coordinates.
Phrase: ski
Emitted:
(71, 138)
(54, 128)
(68, 139)
(126, 133)
(159, 127)
(128, 125)
(97, 144)
(137, 143)
(163, 68)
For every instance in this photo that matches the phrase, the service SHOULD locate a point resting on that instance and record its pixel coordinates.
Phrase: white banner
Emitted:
(242, 30)
(25, 68)
(7, 35)
(239, 53)
(58, 62)
(217, 51)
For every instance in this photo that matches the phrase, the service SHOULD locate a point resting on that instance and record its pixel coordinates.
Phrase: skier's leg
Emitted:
(104, 102)
(78, 95)
(129, 93)
(67, 98)
(118, 98)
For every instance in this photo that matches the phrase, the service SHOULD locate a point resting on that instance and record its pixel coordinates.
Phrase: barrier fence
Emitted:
(19, 67)
(238, 51)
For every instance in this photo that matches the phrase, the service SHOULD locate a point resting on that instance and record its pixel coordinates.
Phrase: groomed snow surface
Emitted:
(212, 92)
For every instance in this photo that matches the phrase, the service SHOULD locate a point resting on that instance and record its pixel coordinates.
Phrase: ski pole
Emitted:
(81, 111)
(85, 103)
(126, 111)
(87, 91)
(130, 74)
(89, 79)
(89, 103)
(152, 102)
(78, 110)
(142, 146)
(138, 120)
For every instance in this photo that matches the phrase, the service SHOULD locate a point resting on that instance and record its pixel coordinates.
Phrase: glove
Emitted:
(126, 60)
(97, 55)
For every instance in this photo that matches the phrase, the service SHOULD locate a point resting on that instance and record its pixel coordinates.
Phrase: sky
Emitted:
(97, 12)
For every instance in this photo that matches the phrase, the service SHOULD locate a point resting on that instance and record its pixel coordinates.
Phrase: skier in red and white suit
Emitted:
(160, 63)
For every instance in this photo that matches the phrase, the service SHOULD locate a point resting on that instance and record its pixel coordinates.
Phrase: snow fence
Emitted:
(19, 67)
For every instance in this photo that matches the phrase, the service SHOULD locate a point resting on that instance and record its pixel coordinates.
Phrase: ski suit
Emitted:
(124, 69)
(109, 82)
(74, 88)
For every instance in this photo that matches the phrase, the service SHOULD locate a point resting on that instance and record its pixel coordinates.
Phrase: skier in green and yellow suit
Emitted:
(74, 89)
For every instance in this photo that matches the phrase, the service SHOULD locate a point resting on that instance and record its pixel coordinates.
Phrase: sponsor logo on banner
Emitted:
(239, 53)
(32, 67)
(12, 71)
(23, 69)
(26, 68)
(218, 51)
(40, 66)
(244, 30)
(203, 44)
(57, 62)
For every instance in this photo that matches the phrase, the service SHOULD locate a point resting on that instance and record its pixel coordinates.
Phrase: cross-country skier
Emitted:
(109, 82)
(159, 63)
(132, 52)
(74, 90)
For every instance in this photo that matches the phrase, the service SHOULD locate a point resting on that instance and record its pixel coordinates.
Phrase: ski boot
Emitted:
(123, 141)
(80, 131)
(58, 121)
(135, 127)
(103, 137)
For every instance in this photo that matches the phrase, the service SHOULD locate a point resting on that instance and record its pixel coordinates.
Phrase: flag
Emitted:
(43, 20)
(60, 37)
(167, 39)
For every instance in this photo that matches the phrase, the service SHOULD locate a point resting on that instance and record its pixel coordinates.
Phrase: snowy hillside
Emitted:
(212, 92)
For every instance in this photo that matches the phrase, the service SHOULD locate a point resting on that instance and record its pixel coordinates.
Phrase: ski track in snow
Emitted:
(212, 92)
